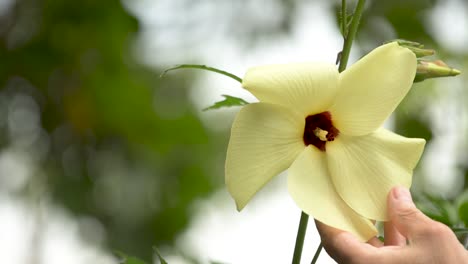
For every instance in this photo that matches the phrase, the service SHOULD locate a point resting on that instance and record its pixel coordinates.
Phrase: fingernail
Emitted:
(402, 194)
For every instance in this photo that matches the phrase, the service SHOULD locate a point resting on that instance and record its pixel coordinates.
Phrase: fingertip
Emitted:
(401, 194)
(405, 218)
(343, 246)
(326, 231)
(398, 199)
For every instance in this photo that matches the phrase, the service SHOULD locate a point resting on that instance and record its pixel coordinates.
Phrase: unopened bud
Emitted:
(407, 43)
(417, 48)
(421, 52)
(433, 69)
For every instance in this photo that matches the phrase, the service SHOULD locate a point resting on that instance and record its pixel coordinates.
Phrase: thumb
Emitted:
(405, 217)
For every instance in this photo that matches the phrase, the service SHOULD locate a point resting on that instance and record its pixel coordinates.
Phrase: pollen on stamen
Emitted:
(321, 134)
(319, 130)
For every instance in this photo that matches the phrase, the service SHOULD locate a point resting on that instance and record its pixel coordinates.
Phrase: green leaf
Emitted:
(459, 230)
(161, 259)
(438, 209)
(463, 213)
(227, 102)
(125, 259)
(462, 204)
(202, 67)
(133, 260)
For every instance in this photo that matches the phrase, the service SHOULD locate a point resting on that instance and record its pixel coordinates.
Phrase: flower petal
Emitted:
(364, 169)
(311, 188)
(372, 88)
(306, 87)
(265, 140)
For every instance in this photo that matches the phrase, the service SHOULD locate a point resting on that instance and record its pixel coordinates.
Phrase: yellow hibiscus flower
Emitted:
(325, 127)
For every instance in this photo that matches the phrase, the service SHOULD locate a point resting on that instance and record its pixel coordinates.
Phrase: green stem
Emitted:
(351, 34)
(300, 238)
(344, 17)
(317, 253)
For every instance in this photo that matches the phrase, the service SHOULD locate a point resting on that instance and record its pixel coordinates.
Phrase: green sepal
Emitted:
(228, 101)
(407, 43)
(202, 67)
(417, 48)
(421, 52)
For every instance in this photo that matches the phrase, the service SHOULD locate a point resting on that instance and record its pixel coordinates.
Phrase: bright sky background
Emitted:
(265, 231)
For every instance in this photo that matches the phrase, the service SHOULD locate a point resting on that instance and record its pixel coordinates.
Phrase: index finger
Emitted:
(327, 232)
(343, 246)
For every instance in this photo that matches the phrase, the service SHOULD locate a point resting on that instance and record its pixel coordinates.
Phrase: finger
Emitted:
(327, 232)
(392, 236)
(404, 215)
(375, 242)
(344, 247)
(393, 255)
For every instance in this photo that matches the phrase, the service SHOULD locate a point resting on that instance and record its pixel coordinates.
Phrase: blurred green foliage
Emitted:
(125, 146)
(121, 145)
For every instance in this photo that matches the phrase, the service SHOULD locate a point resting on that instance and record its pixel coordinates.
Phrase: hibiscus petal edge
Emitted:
(265, 140)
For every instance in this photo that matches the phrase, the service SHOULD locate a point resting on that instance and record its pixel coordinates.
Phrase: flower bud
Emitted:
(417, 48)
(421, 52)
(408, 43)
(433, 69)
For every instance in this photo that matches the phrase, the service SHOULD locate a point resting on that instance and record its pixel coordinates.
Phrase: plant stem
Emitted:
(351, 34)
(317, 253)
(344, 18)
(301, 231)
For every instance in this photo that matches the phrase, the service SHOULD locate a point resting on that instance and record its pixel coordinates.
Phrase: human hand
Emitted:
(410, 237)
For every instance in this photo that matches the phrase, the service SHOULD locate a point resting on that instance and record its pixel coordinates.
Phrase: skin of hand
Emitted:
(410, 237)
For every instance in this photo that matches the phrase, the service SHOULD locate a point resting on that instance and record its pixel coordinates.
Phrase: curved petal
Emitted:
(265, 140)
(372, 88)
(308, 88)
(311, 188)
(364, 169)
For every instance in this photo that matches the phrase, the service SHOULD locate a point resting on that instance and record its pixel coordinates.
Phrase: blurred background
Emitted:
(99, 155)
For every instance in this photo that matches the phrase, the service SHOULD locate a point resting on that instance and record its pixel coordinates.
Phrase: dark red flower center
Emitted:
(319, 129)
